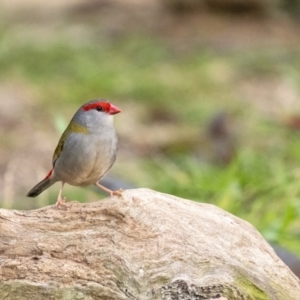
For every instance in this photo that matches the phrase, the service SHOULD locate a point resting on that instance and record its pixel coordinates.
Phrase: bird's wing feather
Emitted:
(73, 127)
(59, 147)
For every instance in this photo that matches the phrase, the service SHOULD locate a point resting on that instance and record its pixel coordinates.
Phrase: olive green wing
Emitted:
(60, 146)
(73, 127)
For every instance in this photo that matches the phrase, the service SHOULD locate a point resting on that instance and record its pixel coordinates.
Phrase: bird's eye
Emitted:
(99, 108)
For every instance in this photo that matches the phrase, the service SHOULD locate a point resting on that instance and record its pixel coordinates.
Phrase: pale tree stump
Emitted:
(142, 245)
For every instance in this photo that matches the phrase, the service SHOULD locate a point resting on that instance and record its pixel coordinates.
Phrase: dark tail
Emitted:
(40, 187)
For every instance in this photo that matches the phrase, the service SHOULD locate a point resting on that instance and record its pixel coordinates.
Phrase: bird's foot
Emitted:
(110, 192)
(117, 193)
(61, 202)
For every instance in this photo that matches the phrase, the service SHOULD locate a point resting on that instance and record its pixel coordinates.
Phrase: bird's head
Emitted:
(96, 113)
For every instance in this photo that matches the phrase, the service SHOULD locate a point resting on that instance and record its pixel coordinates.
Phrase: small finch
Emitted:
(86, 150)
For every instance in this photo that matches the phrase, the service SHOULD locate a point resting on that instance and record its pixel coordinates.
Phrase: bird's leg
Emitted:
(118, 193)
(60, 201)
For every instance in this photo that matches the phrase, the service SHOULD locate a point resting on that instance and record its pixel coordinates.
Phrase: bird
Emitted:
(86, 150)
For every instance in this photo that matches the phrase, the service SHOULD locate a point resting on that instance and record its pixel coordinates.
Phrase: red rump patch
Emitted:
(105, 106)
(49, 174)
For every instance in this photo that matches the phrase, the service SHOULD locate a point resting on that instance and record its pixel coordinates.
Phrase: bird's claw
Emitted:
(117, 193)
(61, 202)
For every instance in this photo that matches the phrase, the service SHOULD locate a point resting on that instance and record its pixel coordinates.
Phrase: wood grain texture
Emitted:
(142, 245)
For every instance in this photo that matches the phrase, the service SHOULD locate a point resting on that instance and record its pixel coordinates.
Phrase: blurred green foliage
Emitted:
(257, 187)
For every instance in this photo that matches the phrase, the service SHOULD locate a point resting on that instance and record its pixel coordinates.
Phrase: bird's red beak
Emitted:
(113, 110)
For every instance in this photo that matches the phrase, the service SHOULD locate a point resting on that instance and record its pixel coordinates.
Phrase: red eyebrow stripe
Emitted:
(105, 106)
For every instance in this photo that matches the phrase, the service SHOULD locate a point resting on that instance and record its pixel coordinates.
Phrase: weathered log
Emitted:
(142, 245)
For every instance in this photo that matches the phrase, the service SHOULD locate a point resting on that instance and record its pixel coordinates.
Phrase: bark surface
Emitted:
(142, 245)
